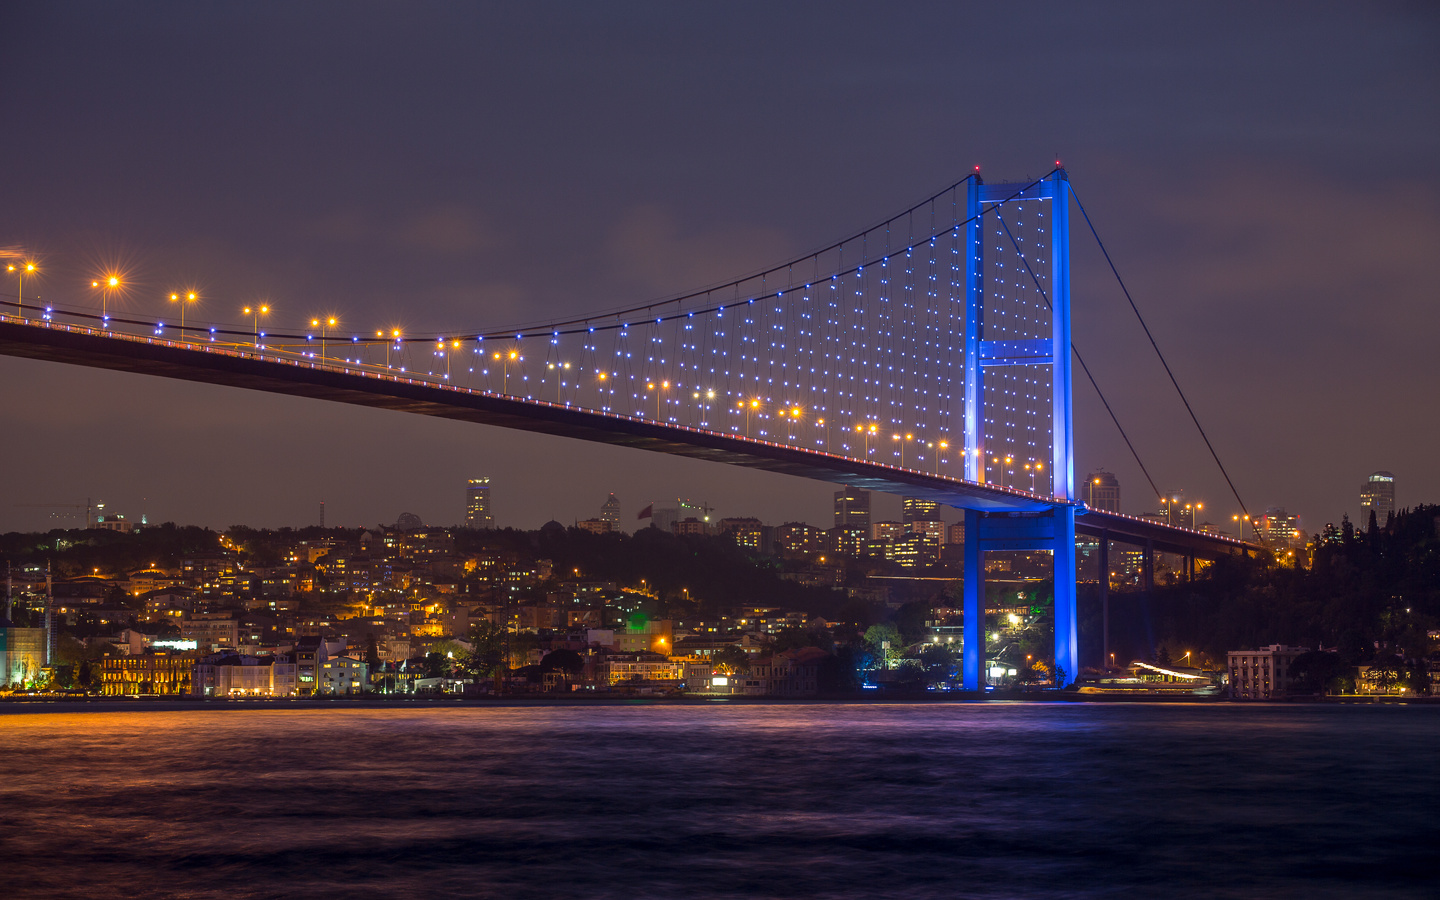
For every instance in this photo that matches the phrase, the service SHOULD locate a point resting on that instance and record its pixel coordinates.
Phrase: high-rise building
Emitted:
(916, 509)
(610, 511)
(1102, 492)
(1377, 494)
(477, 504)
(1278, 530)
(852, 508)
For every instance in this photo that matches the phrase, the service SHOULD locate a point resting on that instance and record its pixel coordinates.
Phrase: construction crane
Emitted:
(87, 509)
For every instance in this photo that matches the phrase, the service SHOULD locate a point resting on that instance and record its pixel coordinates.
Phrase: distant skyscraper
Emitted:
(852, 508)
(477, 504)
(915, 509)
(1378, 494)
(610, 511)
(1102, 492)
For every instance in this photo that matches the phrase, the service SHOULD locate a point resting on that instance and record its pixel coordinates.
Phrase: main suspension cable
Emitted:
(1168, 372)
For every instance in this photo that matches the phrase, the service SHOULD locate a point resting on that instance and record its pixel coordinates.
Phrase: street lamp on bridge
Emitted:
(255, 312)
(184, 300)
(21, 270)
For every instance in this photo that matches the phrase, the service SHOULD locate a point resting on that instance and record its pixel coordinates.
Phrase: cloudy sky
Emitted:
(1263, 174)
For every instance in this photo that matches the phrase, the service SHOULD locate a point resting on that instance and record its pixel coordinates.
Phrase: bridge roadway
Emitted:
(379, 388)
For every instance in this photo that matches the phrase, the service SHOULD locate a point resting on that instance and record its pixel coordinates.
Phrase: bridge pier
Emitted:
(1054, 531)
(1104, 580)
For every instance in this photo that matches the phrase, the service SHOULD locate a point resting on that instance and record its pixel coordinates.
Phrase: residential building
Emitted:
(852, 508)
(934, 529)
(211, 631)
(1377, 495)
(343, 675)
(887, 531)
(477, 504)
(793, 673)
(800, 539)
(848, 539)
(596, 526)
(915, 550)
(955, 534)
(747, 532)
(691, 526)
(1262, 674)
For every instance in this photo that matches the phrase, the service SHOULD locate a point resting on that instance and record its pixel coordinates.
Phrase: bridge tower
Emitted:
(1053, 530)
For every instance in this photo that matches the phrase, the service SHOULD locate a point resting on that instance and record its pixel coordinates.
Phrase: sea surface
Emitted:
(998, 800)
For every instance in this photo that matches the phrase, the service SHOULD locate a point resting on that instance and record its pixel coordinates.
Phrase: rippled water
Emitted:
(994, 800)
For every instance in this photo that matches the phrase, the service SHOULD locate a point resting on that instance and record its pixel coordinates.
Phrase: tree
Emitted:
(562, 661)
(372, 652)
(730, 660)
(1314, 672)
(887, 642)
(487, 653)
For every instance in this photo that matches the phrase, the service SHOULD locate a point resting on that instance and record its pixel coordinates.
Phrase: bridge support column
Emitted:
(1104, 569)
(1147, 569)
(1067, 647)
(972, 654)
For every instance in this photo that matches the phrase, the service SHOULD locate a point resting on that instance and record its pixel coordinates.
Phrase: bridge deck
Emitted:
(365, 386)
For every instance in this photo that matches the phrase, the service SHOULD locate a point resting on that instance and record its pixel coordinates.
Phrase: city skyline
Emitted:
(663, 223)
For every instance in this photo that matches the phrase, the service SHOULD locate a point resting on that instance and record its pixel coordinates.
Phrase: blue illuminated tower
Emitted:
(1053, 530)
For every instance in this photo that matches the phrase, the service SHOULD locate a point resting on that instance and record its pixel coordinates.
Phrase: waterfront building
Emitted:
(343, 675)
(233, 675)
(477, 504)
(1377, 495)
(1262, 674)
(22, 654)
(1102, 491)
(151, 672)
(852, 508)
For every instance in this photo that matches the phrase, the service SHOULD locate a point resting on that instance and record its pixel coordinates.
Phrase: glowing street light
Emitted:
(184, 300)
(749, 407)
(255, 312)
(107, 285)
(21, 271)
(324, 325)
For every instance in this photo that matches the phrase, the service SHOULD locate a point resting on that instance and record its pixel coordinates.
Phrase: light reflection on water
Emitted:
(993, 800)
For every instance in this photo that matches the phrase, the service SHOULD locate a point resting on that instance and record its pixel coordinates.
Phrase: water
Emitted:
(627, 801)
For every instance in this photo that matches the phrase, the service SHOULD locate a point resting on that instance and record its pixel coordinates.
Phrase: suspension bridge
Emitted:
(928, 355)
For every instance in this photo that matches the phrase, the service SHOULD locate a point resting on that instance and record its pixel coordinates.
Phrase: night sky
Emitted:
(1263, 174)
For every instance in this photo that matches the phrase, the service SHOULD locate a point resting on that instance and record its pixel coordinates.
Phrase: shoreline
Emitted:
(14, 706)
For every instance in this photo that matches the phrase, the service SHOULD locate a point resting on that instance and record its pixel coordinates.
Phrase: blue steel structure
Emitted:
(1053, 529)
